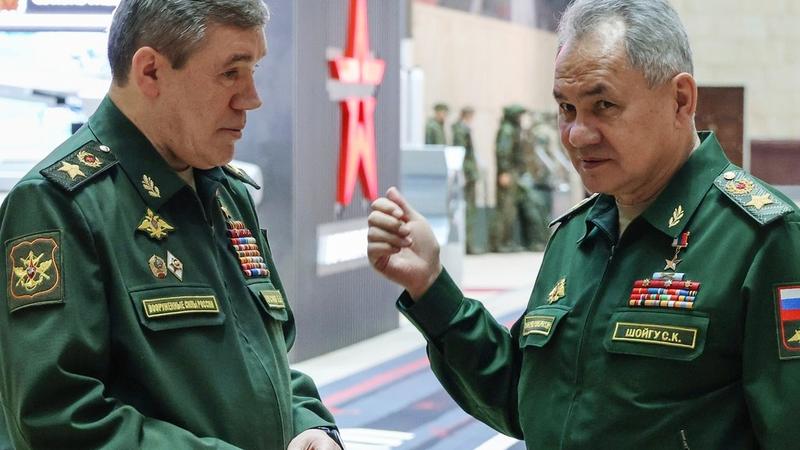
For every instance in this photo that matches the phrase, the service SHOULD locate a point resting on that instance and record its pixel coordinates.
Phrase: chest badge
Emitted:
(175, 266)
(155, 227)
(558, 292)
(157, 266)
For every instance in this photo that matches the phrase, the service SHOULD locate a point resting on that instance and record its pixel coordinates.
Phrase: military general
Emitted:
(666, 313)
(143, 309)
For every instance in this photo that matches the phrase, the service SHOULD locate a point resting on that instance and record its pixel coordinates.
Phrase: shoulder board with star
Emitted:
(750, 194)
(80, 166)
(240, 175)
(583, 204)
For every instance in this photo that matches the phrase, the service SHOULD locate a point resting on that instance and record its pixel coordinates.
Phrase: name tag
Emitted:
(656, 334)
(537, 325)
(170, 306)
(273, 298)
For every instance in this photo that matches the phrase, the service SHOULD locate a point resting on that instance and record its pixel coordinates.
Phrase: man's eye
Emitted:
(566, 107)
(231, 74)
(602, 104)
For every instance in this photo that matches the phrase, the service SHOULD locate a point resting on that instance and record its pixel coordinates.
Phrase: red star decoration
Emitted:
(357, 154)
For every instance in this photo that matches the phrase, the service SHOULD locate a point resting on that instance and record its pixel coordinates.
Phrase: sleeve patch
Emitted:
(34, 270)
(787, 305)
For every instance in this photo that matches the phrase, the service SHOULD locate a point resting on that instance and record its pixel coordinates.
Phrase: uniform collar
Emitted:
(676, 204)
(674, 207)
(153, 177)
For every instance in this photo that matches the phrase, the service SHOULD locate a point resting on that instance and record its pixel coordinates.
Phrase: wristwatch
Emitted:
(333, 433)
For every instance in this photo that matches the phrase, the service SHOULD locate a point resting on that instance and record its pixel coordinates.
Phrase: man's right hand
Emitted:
(401, 244)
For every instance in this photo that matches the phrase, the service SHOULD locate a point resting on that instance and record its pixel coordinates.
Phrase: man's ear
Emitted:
(146, 67)
(685, 91)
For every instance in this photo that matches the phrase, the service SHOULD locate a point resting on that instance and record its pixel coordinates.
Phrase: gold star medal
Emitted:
(558, 292)
(155, 227)
(73, 170)
(679, 243)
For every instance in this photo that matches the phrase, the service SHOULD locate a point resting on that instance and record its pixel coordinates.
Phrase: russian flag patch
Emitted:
(788, 308)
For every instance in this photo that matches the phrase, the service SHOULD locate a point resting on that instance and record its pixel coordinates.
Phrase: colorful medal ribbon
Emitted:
(665, 290)
(246, 248)
(244, 245)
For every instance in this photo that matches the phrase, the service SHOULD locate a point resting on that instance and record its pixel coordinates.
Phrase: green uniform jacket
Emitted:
(103, 346)
(588, 367)
(462, 137)
(434, 133)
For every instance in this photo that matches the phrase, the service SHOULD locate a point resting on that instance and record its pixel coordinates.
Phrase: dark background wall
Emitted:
(295, 139)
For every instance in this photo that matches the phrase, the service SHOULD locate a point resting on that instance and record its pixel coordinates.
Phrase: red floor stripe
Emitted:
(337, 398)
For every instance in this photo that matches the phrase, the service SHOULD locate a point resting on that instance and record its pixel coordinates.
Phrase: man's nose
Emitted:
(248, 99)
(583, 134)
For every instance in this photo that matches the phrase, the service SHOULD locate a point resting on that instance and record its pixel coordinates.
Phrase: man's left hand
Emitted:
(313, 440)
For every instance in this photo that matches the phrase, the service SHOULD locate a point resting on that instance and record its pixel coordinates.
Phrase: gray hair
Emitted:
(655, 39)
(175, 28)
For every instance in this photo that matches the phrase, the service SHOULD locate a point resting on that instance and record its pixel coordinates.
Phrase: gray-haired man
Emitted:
(666, 314)
(143, 308)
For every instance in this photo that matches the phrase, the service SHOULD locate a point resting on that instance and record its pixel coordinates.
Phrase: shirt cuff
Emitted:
(434, 311)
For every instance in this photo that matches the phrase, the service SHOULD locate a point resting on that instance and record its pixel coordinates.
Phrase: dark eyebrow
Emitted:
(598, 89)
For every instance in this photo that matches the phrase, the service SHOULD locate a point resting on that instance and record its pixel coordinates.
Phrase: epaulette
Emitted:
(749, 194)
(240, 175)
(80, 166)
(575, 209)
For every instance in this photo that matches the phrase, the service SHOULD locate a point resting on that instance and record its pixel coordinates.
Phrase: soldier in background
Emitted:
(510, 166)
(462, 136)
(434, 129)
(536, 183)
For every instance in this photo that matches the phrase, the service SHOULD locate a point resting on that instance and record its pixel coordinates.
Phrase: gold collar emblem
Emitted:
(155, 226)
(150, 186)
(558, 292)
(677, 216)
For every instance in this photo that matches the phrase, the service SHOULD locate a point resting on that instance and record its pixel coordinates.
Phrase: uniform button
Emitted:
(104, 148)
(729, 176)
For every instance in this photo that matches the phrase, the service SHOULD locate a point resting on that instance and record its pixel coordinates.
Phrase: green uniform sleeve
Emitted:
(476, 359)
(770, 356)
(55, 356)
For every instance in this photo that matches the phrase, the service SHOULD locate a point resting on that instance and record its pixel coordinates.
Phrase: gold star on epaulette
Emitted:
(73, 170)
(759, 201)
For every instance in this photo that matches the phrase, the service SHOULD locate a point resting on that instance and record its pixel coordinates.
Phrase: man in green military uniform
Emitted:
(510, 166)
(434, 128)
(536, 196)
(462, 137)
(666, 314)
(143, 307)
